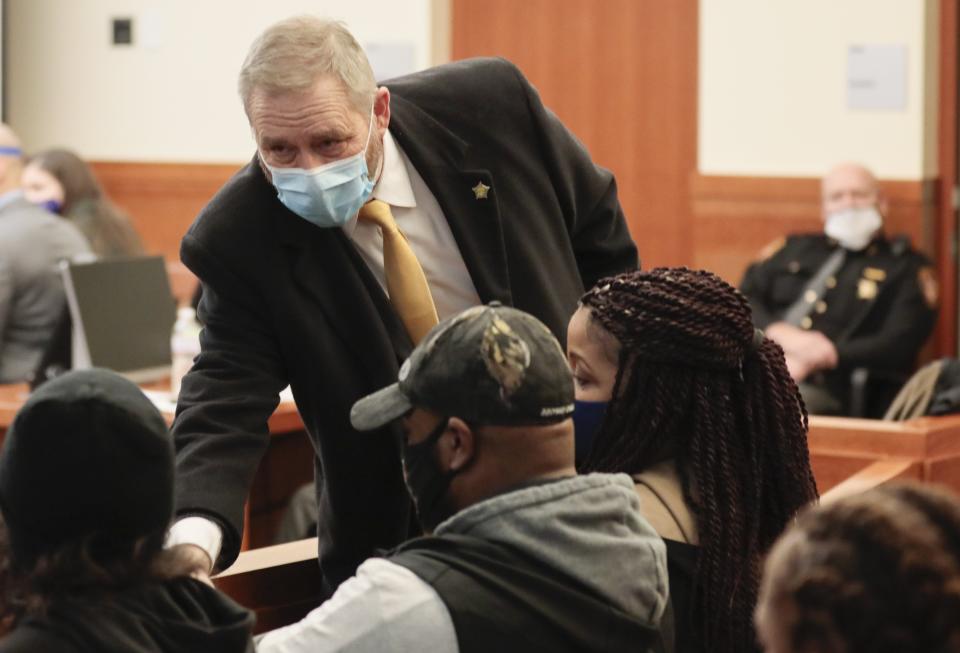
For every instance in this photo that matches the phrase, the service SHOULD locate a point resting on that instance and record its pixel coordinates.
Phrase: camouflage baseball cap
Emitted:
(487, 365)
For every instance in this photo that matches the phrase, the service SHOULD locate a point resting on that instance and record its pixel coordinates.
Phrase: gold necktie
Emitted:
(406, 283)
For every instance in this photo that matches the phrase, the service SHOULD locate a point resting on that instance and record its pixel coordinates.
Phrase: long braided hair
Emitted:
(697, 384)
(877, 571)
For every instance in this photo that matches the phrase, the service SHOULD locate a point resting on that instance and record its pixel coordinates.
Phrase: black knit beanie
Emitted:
(87, 455)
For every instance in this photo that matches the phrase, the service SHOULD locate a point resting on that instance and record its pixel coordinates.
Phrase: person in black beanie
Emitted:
(86, 496)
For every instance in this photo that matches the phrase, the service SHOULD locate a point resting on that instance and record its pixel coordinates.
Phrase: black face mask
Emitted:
(426, 482)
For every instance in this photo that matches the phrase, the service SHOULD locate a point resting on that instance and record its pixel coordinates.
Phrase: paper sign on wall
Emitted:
(877, 77)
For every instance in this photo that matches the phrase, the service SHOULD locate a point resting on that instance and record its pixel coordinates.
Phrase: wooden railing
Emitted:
(281, 583)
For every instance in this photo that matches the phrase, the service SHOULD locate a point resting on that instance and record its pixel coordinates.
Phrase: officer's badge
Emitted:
(866, 289)
(481, 191)
(929, 286)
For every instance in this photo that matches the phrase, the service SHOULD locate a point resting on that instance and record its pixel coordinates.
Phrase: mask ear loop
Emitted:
(376, 176)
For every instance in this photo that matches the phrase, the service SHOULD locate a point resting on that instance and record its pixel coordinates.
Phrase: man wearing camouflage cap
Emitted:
(524, 553)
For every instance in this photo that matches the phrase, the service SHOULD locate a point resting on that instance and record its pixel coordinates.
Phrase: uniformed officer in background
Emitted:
(846, 298)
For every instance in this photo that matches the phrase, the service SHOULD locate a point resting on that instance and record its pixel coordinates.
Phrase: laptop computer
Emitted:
(122, 312)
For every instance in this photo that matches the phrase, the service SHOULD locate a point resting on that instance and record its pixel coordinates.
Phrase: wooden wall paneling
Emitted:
(162, 199)
(829, 470)
(944, 471)
(622, 75)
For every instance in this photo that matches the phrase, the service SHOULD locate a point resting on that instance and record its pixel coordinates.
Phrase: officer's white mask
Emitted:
(854, 228)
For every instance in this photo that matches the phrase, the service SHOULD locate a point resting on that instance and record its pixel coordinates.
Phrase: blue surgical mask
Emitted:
(328, 195)
(51, 205)
(587, 418)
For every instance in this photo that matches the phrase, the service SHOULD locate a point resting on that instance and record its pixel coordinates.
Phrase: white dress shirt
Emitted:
(385, 607)
(419, 217)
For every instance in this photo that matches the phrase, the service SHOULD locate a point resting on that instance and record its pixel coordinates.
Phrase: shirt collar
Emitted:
(394, 185)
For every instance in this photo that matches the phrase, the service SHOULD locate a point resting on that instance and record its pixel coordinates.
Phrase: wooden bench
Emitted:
(842, 447)
(281, 583)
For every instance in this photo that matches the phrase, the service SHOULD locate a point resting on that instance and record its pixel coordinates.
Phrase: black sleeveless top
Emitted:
(682, 572)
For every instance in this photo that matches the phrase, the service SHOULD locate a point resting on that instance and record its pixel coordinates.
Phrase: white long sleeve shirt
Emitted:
(383, 608)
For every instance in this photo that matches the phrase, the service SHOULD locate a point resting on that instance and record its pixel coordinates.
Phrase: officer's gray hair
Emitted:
(292, 55)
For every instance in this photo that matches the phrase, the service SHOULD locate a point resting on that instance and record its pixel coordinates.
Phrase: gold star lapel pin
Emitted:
(480, 190)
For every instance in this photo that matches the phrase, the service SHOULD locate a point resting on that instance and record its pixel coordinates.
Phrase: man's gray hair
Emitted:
(292, 55)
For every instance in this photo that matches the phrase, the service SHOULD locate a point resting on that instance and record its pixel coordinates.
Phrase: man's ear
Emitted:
(460, 444)
(381, 109)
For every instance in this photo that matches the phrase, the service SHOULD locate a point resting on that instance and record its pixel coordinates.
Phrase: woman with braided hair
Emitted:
(676, 388)
(877, 572)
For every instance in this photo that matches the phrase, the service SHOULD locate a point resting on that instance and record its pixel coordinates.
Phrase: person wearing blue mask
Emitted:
(674, 386)
(63, 183)
(367, 214)
(32, 243)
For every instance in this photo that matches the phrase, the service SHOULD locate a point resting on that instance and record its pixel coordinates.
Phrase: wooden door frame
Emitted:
(946, 224)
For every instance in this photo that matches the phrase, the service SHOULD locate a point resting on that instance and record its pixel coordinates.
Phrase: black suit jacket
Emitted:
(878, 311)
(287, 302)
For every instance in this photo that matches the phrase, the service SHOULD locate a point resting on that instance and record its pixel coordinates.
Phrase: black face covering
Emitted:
(426, 482)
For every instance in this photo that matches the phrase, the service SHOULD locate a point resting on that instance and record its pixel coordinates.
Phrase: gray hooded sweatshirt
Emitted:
(589, 527)
(586, 531)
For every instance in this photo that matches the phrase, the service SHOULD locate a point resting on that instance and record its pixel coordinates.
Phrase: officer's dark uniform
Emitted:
(878, 309)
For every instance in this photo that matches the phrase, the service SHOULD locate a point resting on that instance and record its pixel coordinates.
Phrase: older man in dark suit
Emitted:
(32, 242)
(478, 194)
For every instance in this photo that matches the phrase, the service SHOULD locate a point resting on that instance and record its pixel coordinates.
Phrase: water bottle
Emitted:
(184, 345)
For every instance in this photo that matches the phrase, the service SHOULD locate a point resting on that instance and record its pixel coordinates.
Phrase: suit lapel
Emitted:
(442, 159)
(327, 268)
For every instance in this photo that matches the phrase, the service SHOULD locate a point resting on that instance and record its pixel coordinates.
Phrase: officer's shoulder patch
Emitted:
(929, 286)
(771, 248)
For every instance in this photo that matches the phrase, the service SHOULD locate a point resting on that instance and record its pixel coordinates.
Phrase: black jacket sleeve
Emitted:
(588, 195)
(220, 431)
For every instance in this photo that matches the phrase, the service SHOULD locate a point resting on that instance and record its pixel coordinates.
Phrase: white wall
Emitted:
(773, 87)
(171, 100)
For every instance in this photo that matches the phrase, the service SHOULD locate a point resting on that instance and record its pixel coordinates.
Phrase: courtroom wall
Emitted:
(772, 87)
(171, 96)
